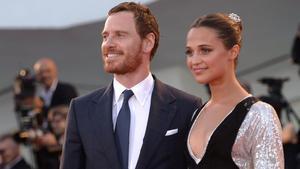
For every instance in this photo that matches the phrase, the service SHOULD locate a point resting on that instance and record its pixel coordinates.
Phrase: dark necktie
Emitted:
(122, 130)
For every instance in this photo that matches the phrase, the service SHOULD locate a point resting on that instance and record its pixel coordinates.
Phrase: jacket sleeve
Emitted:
(73, 155)
(266, 144)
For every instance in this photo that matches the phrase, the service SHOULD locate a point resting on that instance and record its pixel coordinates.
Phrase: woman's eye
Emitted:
(205, 50)
(188, 53)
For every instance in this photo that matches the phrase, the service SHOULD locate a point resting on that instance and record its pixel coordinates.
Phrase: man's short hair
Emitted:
(8, 136)
(145, 21)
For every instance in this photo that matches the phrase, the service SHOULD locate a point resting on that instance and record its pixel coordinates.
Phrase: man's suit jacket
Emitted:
(90, 140)
(21, 165)
(63, 94)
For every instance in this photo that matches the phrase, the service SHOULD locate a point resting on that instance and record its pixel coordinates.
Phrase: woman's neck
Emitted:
(226, 91)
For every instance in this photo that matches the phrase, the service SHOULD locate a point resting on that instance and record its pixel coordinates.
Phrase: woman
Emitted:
(233, 129)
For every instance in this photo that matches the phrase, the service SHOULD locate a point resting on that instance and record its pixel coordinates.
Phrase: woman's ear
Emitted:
(148, 43)
(234, 52)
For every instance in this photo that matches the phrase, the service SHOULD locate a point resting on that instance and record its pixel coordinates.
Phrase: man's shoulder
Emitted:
(22, 164)
(93, 95)
(64, 85)
(186, 103)
(63, 93)
(178, 93)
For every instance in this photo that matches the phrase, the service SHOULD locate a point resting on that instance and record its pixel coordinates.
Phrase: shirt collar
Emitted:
(118, 89)
(13, 162)
(52, 87)
(141, 90)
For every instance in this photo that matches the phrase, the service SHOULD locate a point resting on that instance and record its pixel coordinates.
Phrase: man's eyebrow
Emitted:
(118, 32)
(103, 32)
(122, 32)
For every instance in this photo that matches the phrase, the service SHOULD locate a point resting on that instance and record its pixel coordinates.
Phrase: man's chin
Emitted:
(114, 70)
(119, 69)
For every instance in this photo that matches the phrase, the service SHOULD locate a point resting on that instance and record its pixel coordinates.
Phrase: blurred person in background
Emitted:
(57, 117)
(50, 89)
(1, 162)
(296, 49)
(53, 93)
(48, 147)
(10, 156)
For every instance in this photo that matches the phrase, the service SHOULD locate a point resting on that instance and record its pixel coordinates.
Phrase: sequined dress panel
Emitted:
(258, 143)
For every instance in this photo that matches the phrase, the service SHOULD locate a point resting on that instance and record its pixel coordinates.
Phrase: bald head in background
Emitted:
(51, 90)
(46, 71)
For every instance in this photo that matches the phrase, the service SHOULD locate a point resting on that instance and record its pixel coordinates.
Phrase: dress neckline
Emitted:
(194, 157)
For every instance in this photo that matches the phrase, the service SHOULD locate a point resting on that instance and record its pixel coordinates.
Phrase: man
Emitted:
(49, 145)
(136, 122)
(10, 154)
(52, 91)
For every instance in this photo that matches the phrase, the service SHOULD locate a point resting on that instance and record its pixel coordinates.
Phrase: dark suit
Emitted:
(21, 165)
(90, 140)
(63, 94)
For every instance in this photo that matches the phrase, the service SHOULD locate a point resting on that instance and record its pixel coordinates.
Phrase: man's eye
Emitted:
(104, 37)
(120, 35)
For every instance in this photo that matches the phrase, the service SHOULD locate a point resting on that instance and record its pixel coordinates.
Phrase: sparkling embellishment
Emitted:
(258, 144)
(234, 17)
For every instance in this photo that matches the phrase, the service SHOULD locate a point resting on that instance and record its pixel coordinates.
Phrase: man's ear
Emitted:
(148, 43)
(234, 52)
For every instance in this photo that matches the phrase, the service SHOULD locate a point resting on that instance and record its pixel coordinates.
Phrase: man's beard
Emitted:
(126, 64)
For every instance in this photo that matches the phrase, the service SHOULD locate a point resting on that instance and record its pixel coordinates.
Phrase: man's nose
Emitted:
(109, 42)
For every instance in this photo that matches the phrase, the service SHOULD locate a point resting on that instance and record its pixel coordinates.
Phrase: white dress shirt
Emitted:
(47, 94)
(139, 105)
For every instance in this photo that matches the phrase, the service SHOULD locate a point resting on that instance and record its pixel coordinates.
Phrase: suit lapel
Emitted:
(101, 117)
(162, 112)
(55, 93)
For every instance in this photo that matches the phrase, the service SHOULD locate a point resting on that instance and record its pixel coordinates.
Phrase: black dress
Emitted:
(219, 148)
